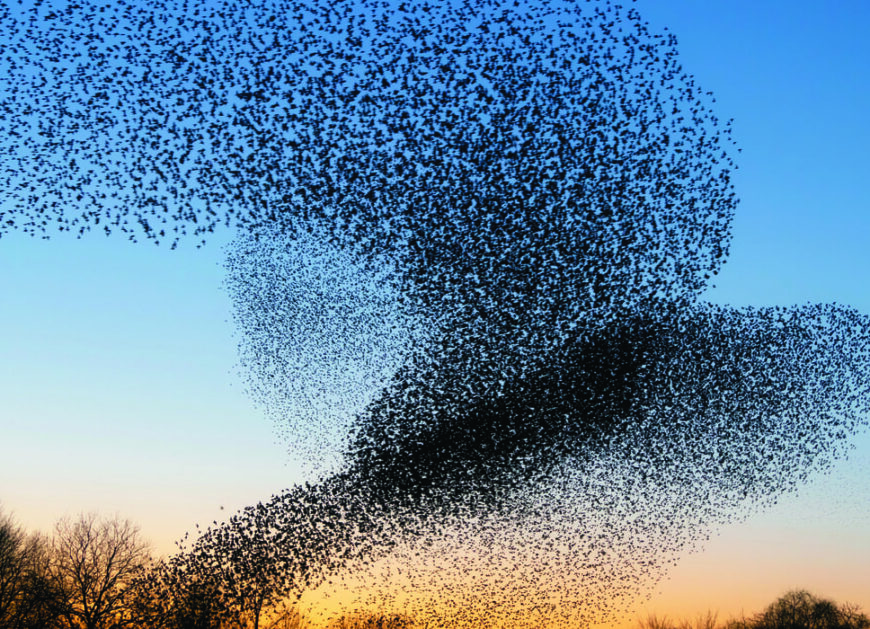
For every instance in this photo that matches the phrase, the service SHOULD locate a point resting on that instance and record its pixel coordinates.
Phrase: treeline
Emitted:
(81, 577)
(98, 573)
(797, 609)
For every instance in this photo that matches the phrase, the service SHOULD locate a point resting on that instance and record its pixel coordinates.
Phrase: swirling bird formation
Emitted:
(498, 217)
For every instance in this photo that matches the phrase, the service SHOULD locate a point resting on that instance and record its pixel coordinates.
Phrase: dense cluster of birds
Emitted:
(473, 239)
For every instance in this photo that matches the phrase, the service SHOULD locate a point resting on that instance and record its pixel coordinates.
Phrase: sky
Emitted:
(794, 78)
(120, 390)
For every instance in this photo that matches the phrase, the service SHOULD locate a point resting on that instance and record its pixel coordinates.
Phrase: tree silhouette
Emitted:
(549, 193)
(95, 562)
(28, 597)
(798, 609)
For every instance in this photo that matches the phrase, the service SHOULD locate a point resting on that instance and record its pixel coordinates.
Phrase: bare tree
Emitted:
(28, 599)
(799, 609)
(851, 616)
(13, 553)
(95, 563)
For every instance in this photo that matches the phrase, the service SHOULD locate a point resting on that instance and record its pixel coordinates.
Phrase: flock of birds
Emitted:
(473, 236)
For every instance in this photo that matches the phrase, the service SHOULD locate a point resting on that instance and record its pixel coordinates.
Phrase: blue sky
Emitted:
(794, 77)
(122, 357)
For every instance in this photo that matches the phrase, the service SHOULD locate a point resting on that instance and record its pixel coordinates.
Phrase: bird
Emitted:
(500, 218)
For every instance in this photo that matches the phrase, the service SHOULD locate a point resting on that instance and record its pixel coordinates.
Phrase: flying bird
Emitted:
(472, 242)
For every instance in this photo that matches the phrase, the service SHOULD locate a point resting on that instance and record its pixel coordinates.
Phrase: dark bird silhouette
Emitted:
(495, 220)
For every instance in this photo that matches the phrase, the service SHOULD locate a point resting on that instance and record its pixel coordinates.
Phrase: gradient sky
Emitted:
(119, 390)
